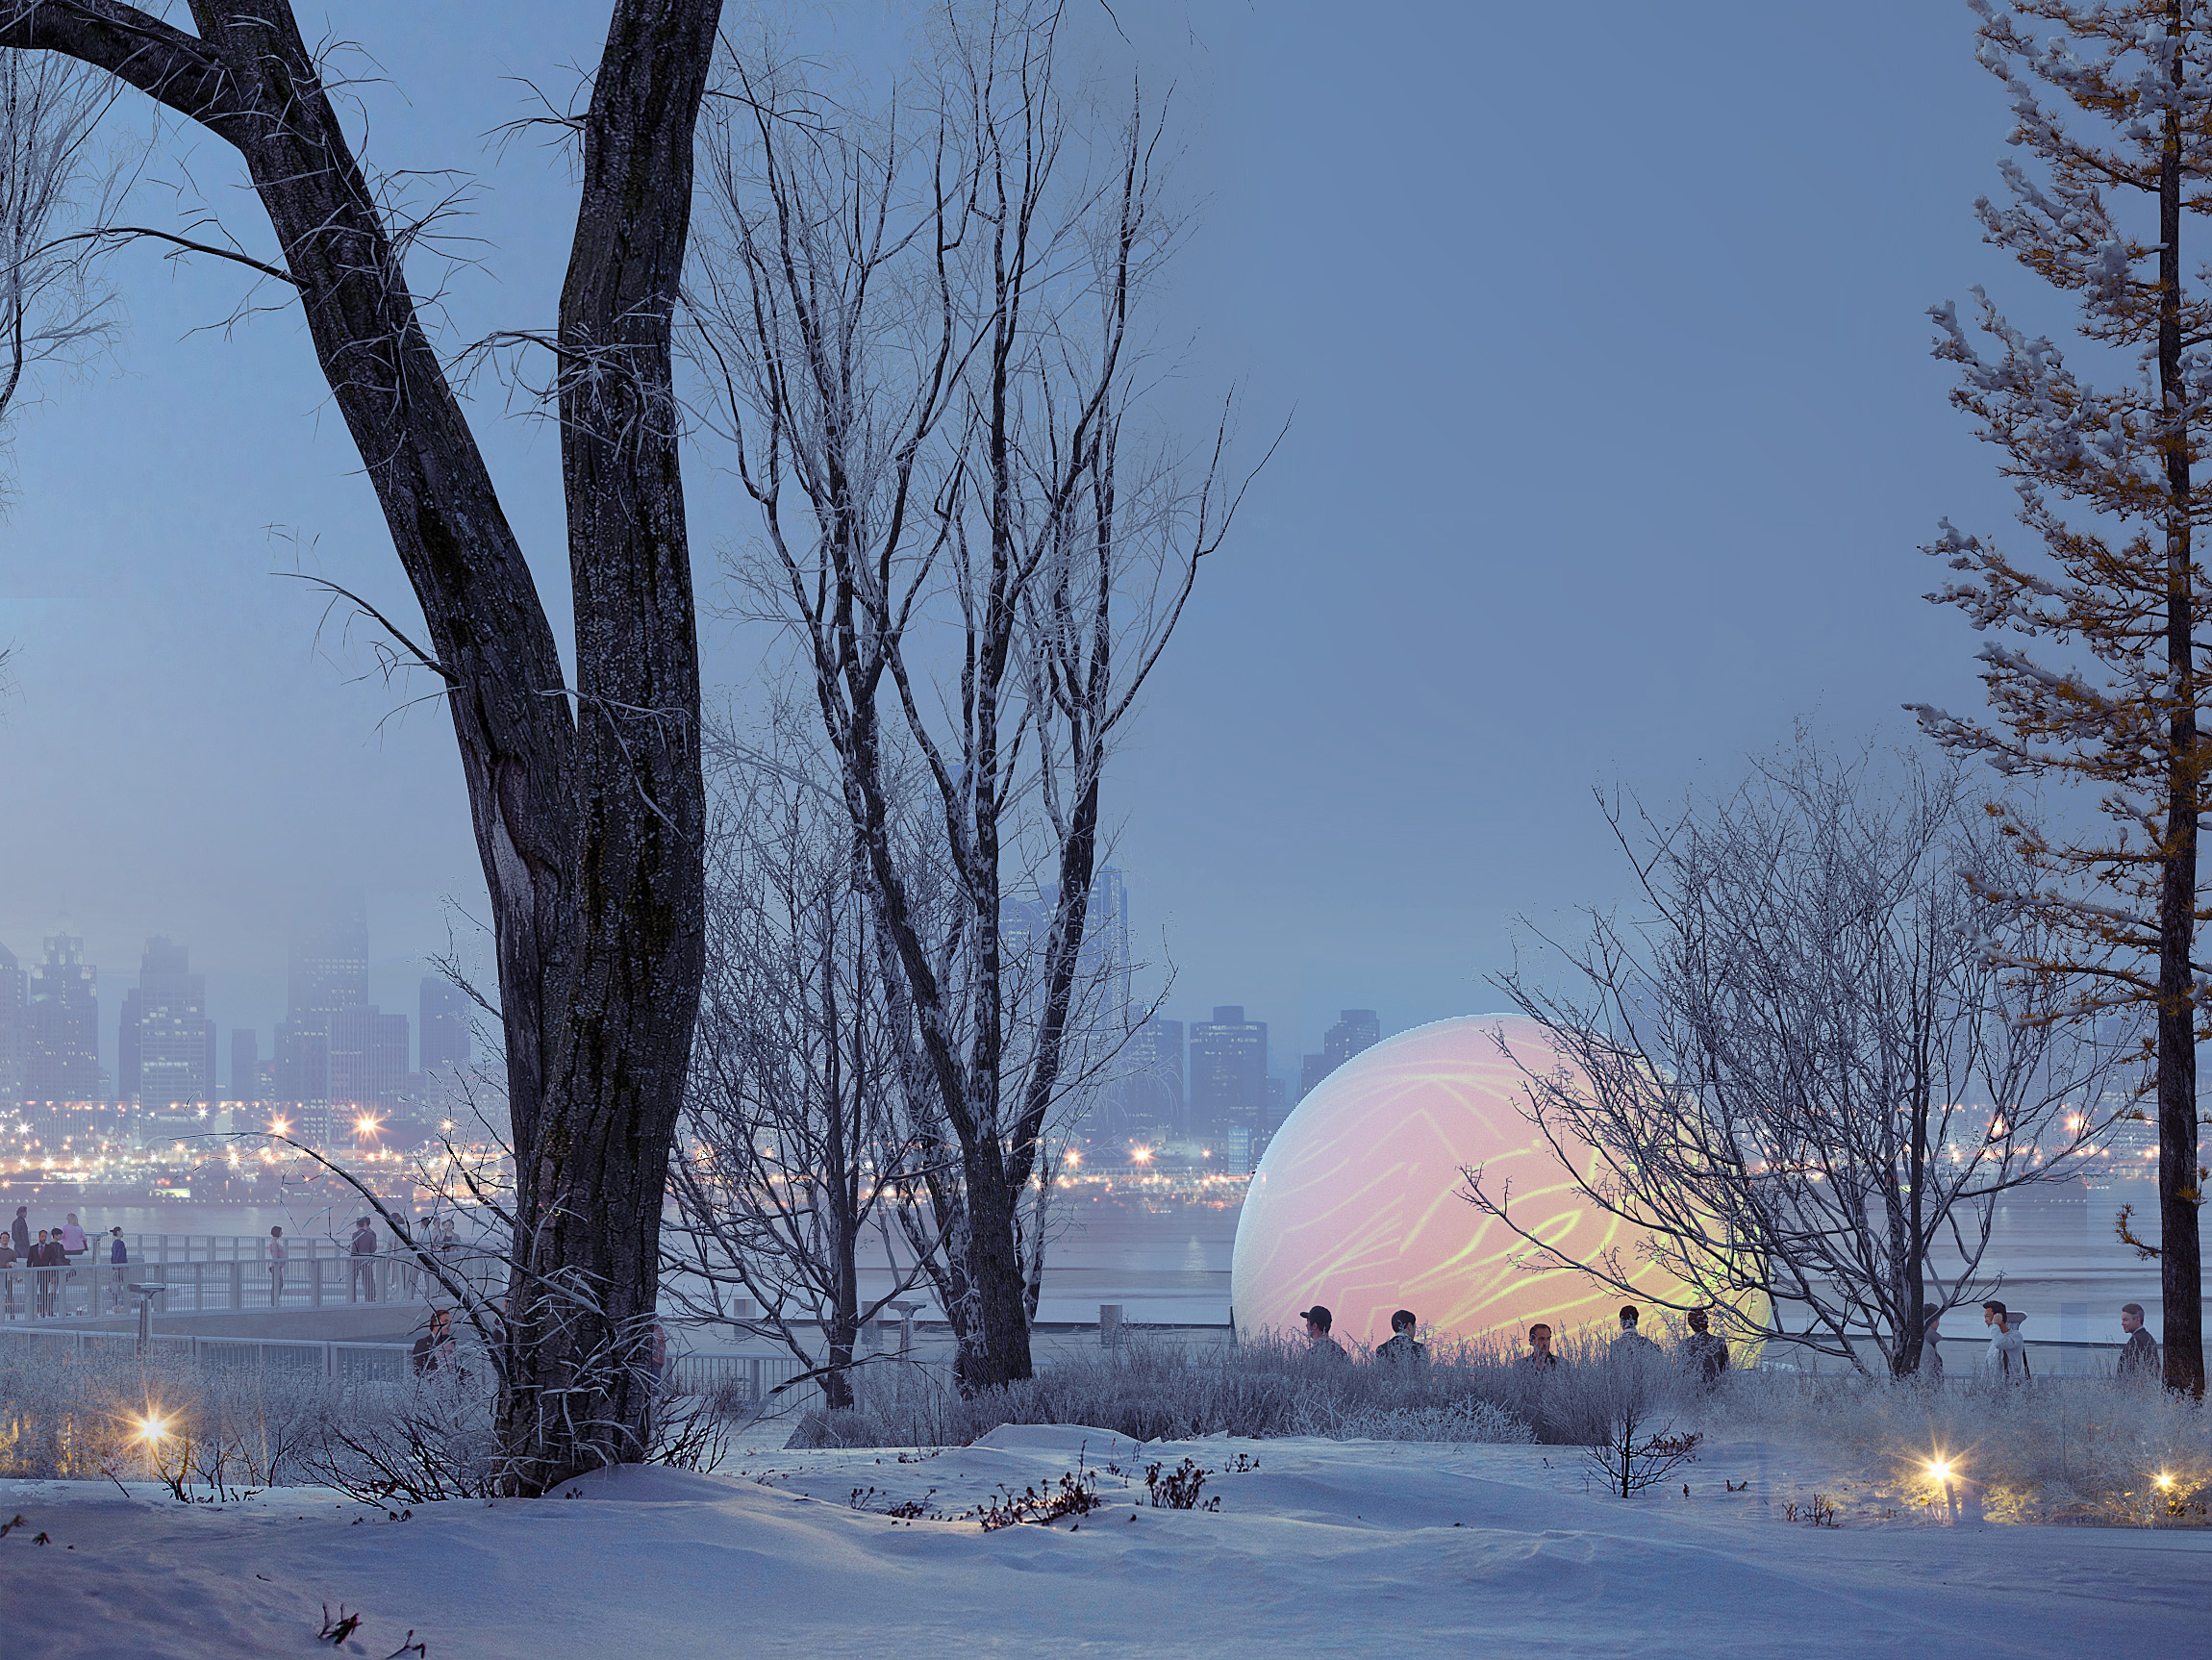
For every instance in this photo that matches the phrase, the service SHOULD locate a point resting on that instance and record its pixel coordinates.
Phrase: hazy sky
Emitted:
(1614, 434)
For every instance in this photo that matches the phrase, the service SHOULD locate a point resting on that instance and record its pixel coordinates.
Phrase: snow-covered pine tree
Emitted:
(2112, 103)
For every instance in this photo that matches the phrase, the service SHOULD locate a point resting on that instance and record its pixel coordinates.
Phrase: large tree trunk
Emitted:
(589, 1198)
(2180, 1267)
(588, 822)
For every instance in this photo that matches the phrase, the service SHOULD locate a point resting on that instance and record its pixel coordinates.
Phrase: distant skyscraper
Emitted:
(245, 1065)
(13, 1015)
(1356, 1030)
(1025, 924)
(367, 1060)
(126, 1069)
(62, 1061)
(165, 1032)
(1152, 1079)
(443, 1035)
(1228, 1071)
(328, 973)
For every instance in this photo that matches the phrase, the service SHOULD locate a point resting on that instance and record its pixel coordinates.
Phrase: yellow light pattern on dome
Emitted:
(1356, 1204)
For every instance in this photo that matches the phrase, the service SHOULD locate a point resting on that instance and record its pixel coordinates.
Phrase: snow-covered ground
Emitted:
(1326, 1548)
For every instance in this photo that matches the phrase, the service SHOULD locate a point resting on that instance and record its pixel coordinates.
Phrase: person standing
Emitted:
(1704, 1356)
(1319, 1344)
(280, 1253)
(1401, 1349)
(2139, 1358)
(9, 1274)
(1631, 1344)
(46, 1258)
(1931, 1355)
(118, 1262)
(72, 1236)
(435, 1349)
(1539, 1357)
(364, 1252)
(22, 1231)
(2006, 1359)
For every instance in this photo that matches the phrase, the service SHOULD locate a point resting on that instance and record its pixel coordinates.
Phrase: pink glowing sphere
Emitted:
(1357, 1203)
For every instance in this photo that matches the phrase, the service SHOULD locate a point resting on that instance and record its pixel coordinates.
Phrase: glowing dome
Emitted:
(1357, 1205)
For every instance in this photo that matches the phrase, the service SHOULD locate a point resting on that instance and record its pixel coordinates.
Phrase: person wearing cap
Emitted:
(1401, 1349)
(2139, 1361)
(2006, 1358)
(1319, 1344)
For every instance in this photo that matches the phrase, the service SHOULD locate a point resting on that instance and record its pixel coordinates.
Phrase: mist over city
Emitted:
(1172, 825)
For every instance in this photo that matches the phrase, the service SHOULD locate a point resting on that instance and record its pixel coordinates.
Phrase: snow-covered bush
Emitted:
(1152, 1392)
(207, 1431)
(417, 1440)
(2075, 1448)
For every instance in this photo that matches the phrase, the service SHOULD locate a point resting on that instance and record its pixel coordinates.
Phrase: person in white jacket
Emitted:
(2006, 1359)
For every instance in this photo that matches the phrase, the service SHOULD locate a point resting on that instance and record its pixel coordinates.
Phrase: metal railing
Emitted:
(387, 1361)
(87, 1290)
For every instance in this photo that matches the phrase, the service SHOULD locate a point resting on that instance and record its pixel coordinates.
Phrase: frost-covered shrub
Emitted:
(1262, 1389)
(212, 1431)
(418, 1439)
(2062, 1449)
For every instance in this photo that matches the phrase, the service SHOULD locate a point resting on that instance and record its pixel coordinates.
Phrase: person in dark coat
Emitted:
(21, 1229)
(1539, 1357)
(1401, 1349)
(1319, 1344)
(7, 1272)
(1704, 1356)
(1631, 1344)
(2139, 1359)
(363, 1253)
(118, 1262)
(435, 1349)
(46, 1257)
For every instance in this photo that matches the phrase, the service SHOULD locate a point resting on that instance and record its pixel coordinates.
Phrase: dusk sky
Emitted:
(1614, 434)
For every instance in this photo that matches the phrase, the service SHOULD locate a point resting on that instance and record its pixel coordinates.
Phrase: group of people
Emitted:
(1700, 1352)
(1704, 1353)
(2005, 1359)
(47, 1262)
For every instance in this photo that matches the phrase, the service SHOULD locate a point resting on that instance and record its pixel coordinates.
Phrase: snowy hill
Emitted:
(1324, 1549)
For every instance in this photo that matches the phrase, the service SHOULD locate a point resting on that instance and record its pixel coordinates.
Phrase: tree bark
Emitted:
(2180, 1267)
(588, 822)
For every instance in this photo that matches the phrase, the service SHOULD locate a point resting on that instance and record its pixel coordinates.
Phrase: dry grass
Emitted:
(1163, 1392)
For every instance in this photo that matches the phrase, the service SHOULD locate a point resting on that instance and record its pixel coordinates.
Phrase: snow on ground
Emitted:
(1327, 1548)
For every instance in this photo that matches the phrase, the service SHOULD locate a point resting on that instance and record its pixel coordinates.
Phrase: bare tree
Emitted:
(1801, 1072)
(2113, 110)
(48, 308)
(796, 1145)
(922, 324)
(588, 800)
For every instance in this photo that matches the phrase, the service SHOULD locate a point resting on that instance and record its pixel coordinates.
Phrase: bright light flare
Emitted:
(2165, 1480)
(367, 1124)
(153, 1428)
(1939, 1468)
